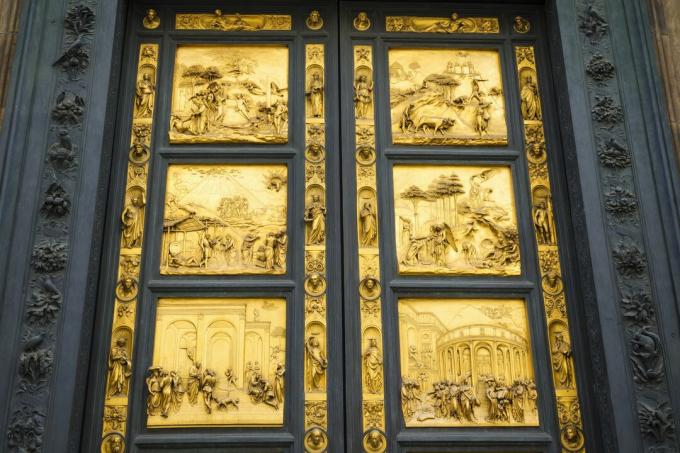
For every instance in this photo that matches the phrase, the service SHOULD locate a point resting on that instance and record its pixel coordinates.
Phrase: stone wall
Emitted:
(666, 21)
(9, 19)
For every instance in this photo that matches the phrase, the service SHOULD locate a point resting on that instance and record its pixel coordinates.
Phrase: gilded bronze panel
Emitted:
(466, 362)
(217, 362)
(225, 219)
(452, 24)
(218, 21)
(446, 97)
(455, 220)
(230, 94)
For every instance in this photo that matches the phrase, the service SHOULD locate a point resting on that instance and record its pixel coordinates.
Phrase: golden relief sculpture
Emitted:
(451, 24)
(466, 362)
(572, 436)
(217, 362)
(225, 219)
(446, 97)
(151, 20)
(314, 21)
(362, 22)
(219, 21)
(315, 213)
(132, 221)
(455, 220)
(369, 288)
(230, 94)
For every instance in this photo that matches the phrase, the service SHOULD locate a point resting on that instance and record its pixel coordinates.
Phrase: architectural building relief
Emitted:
(225, 219)
(456, 220)
(446, 97)
(466, 362)
(230, 94)
(217, 362)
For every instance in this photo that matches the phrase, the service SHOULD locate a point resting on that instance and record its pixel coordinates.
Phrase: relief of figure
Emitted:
(562, 362)
(543, 223)
(498, 396)
(207, 244)
(261, 391)
(120, 368)
(153, 385)
(410, 397)
(208, 383)
(315, 94)
(247, 247)
(133, 222)
(279, 382)
(315, 216)
(363, 95)
(373, 367)
(171, 392)
(144, 95)
(482, 117)
(194, 382)
(454, 24)
(281, 249)
(531, 101)
(316, 363)
(369, 225)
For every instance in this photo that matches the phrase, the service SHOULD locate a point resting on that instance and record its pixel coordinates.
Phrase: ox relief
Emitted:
(466, 362)
(217, 362)
(455, 220)
(230, 94)
(225, 219)
(446, 97)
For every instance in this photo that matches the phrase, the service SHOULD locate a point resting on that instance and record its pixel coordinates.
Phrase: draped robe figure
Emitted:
(531, 103)
(315, 94)
(369, 228)
(120, 367)
(194, 383)
(561, 361)
(133, 222)
(316, 217)
(144, 96)
(373, 367)
(317, 363)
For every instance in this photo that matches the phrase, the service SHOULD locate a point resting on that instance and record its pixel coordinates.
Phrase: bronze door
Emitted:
(337, 233)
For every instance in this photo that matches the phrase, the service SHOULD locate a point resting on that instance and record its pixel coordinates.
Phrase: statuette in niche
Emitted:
(315, 217)
(562, 362)
(230, 94)
(363, 96)
(228, 352)
(466, 362)
(225, 219)
(373, 362)
(315, 94)
(151, 20)
(132, 218)
(455, 220)
(446, 97)
(368, 225)
(531, 100)
(120, 367)
(362, 22)
(314, 21)
(144, 96)
(316, 363)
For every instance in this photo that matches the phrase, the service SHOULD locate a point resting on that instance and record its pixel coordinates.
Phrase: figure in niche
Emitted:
(261, 391)
(543, 224)
(120, 367)
(363, 90)
(316, 363)
(281, 249)
(153, 385)
(194, 383)
(531, 102)
(279, 383)
(373, 367)
(315, 93)
(207, 387)
(315, 216)
(144, 96)
(171, 392)
(133, 222)
(369, 225)
(561, 361)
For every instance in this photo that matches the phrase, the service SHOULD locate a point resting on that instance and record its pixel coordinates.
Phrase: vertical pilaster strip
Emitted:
(572, 437)
(130, 252)
(370, 290)
(315, 286)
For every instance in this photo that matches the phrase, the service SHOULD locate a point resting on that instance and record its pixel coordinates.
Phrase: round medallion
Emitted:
(572, 438)
(552, 283)
(316, 440)
(113, 442)
(369, 288)
(365, 154)
(375, 441)
(362, 22)
(126, 289)
(315, 152)
(315, 284)
(314, 20)
(151, 20)
(521, 25)
(139, 153)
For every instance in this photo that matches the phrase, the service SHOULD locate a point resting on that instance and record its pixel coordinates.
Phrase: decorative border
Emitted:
(218, 21)
(449, 25)
(572, 437)
(128, 284)
(316, 399)
(624, 230)
(373, 397)
(52, 235)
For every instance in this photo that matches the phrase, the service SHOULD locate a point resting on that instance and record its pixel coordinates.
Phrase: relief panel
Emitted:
(217, 362)
(466, 362)
(446, 97)
(230, 94)
(225, 219)
(455, 220)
